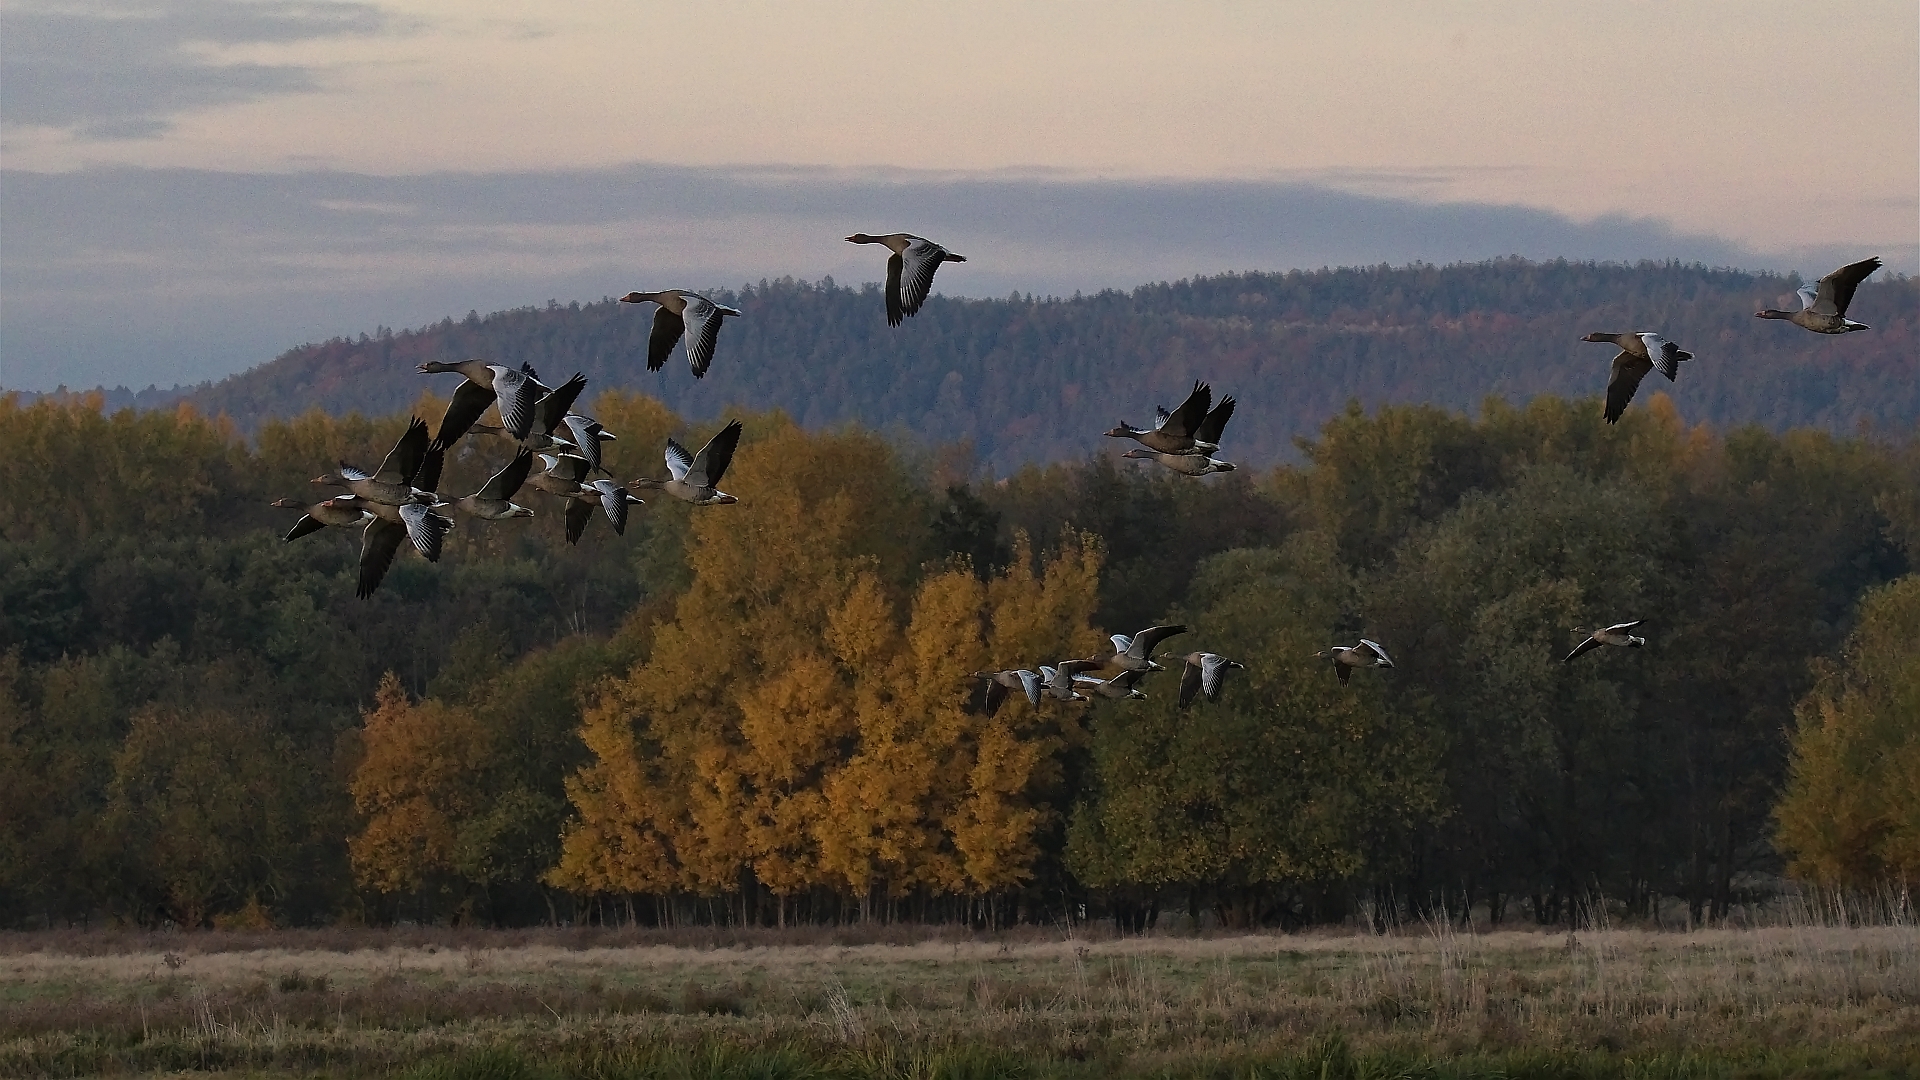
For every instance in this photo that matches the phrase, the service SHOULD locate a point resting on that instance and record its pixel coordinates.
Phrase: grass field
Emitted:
(916, 1002)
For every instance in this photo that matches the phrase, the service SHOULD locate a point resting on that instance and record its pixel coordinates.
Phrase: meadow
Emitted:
(1436, 1000)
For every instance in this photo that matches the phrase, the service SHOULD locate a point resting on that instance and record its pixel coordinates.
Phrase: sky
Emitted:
(189, 187)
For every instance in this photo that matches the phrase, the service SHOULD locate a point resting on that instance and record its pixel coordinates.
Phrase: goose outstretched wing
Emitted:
(667, 328)
(1836, 289)
(710, 464)
(1628, 370)
(702, 318)
(679, 462)
(404, 459)
(917, 265)
(501, 485)
(1186, 419)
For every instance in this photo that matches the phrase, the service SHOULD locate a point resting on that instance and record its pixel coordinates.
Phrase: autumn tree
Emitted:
(414, 787)
(1850, 816)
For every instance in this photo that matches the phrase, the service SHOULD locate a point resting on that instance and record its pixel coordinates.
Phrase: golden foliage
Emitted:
(413, 785)
(1850, 816)
(788, 725)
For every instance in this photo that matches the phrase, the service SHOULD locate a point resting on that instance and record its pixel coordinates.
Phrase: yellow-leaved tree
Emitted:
(709, 758)
(413, 786)
(799, 724)
(1850, 816)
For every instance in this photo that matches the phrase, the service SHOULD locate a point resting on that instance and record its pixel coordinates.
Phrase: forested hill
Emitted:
(1027, 379)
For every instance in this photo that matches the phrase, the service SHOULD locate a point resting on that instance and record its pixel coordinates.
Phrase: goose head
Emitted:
(1125, 430)
(1600, 337)
(1139, 453)
(289, 504)
(329, 480)
(862, 238)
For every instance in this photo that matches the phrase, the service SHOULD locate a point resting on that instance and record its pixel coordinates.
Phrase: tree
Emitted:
(1850, 815)
(414, 786)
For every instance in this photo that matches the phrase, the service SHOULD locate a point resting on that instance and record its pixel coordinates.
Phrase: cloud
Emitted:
(121, 70)
(163, 275)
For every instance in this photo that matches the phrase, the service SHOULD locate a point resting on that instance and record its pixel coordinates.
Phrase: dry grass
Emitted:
(1150, 1005)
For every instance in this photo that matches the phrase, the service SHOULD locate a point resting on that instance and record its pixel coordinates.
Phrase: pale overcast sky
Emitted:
(193, 185)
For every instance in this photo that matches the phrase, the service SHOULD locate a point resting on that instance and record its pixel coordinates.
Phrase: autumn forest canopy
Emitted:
(758, 713)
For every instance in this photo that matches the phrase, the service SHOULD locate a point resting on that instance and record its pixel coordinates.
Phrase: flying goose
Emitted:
(1175, 435)
(1205, 673)
(992, 686)
(494, 500)
(387, 526)
(1206, 438)
(1823, 304)
(392, 483)
(516, 392)
(1186, 464)
(1059, 680)
(1639, 354)
(1613, 635)
(606, 494)
(564, 476)
(1135, 653)
(1347, 657)
(682, 312)
(320, 515)
(1118, 687)
(909, 270)
(695, 477)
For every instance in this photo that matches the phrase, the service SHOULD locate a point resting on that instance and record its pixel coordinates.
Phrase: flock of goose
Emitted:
(401, 501)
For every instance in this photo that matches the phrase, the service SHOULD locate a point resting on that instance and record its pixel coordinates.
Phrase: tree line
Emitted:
(1025, 379)
(757, 713)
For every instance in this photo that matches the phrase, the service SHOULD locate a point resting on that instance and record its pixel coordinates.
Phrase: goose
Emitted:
(1175, 435)
(587, 437)
(993, 686)
(320, 515)
(1118, 687)
(494, 500)
(1205, 673)
(563, 475)
(1135, 653)
(392, 483)
(1823, 304)
(516, 392)
(606, 494)
(1059, 680)
(1184, 464)
(910, 270)
(387, 526)
(682, 312)
(1613, 635)
(1639, 354)
(1347, 657)
(695, 476)
(1206, 438)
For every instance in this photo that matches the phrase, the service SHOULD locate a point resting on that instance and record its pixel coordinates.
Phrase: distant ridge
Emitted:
(1036, 380)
